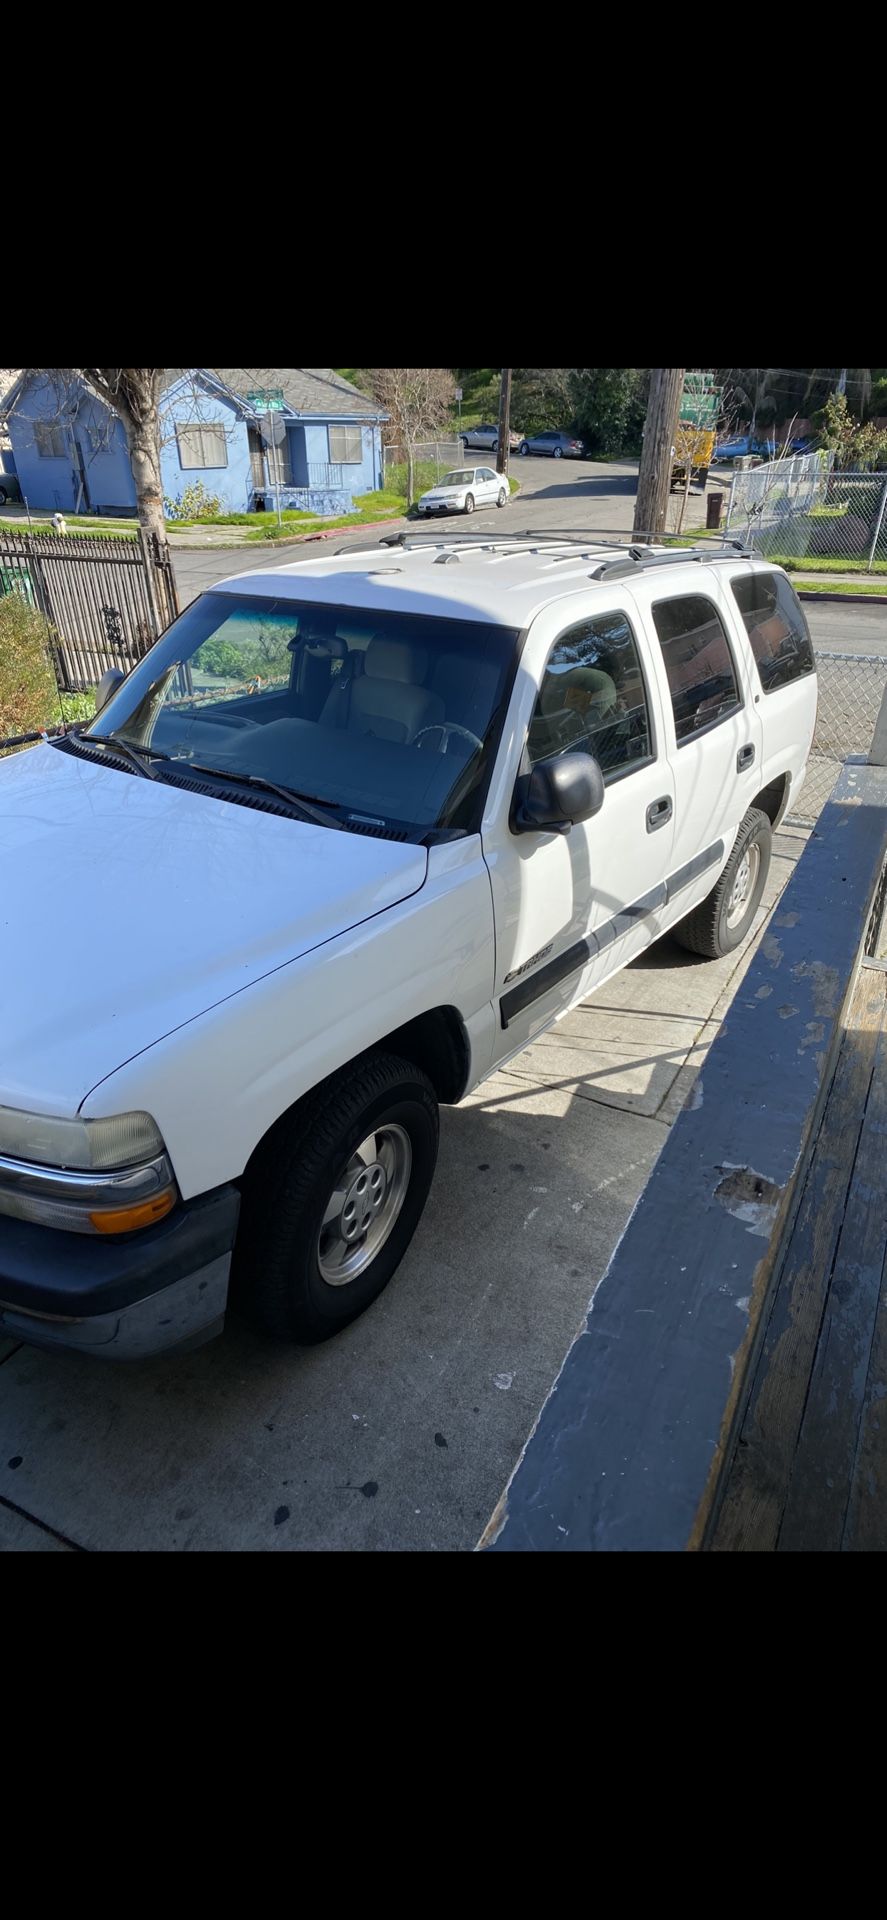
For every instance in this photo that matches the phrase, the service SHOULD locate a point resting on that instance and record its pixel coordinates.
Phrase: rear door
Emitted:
(769, 619)
(570, 909)
(713, 726)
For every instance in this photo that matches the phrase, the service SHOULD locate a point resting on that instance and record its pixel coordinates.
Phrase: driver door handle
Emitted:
(658, 813)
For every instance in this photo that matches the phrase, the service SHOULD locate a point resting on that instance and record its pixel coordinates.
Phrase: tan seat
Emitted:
(388, 699)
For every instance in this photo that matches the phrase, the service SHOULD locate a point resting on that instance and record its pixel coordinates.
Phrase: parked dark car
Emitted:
(561, 446)
(9, 487)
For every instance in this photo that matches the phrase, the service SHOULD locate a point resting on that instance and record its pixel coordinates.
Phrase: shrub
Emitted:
(193, 503)
(28, 697)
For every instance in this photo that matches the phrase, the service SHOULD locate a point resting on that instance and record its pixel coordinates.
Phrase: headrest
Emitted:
(395, 660)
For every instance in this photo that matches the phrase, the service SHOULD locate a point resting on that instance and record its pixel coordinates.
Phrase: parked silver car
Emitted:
(486, 436)
(561, 446)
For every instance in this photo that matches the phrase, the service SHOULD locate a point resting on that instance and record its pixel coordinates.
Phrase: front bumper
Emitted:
(126, 1298)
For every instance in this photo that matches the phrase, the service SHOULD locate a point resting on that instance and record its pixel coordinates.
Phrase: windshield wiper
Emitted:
(138, 758)
(322, 816)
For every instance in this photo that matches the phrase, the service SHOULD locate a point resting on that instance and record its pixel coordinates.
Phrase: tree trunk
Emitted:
(654, 477)
(144, 452)
(410, 472)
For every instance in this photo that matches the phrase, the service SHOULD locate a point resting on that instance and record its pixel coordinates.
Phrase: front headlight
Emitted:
(87, 1176)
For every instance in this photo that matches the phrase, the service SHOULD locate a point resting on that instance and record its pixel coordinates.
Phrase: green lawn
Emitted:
(824, 563)
(75, 529)
(843, 586)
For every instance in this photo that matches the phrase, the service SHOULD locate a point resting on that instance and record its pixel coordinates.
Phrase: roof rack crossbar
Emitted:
(639, 559)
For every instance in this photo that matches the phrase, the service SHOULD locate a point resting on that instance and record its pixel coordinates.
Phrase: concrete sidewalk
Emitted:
(401, 1433)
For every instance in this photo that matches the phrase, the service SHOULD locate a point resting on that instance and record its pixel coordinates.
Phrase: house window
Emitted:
(202, 444)
(593, 697)
(51, 442)
(346, 446)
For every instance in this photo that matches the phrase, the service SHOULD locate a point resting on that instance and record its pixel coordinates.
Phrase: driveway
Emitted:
(401, 1433)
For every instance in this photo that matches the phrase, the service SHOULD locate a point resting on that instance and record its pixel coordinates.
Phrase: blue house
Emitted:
(320, 450)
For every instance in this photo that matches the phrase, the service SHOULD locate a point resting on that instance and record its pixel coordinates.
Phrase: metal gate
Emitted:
(106, 600)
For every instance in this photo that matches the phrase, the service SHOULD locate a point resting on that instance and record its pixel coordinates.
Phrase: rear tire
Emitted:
(2, 497)
(722, 921)
(558, 453)
(502, 497)
(306, 1262)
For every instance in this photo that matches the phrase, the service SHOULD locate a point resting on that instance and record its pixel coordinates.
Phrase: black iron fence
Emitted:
(107, 601)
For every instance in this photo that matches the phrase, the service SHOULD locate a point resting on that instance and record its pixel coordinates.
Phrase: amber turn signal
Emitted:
(127, 1219)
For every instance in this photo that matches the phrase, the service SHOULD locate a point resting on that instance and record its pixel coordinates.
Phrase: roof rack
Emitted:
(629, 555)
(640, 558)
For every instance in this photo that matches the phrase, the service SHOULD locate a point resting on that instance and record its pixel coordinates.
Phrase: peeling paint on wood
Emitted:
(628, 1451)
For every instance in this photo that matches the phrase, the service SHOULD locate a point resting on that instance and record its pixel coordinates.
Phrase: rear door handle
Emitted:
(658, 813)
(745, 757)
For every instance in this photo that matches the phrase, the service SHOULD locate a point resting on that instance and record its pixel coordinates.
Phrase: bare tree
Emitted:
(133, 395)
(654, 476)
(419, 401)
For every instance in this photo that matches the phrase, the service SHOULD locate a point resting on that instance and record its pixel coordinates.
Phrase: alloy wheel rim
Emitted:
(364, 1205)
(743, 885)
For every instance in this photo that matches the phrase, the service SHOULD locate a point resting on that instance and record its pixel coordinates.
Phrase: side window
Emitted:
(593, 697)
(777, 631)
(698, 662)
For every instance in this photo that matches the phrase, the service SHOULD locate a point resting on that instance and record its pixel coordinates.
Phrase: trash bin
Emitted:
(713, 509)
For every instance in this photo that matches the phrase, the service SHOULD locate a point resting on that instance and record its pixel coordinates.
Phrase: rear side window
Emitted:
(593, 697)
(777, 631)
(698, 662)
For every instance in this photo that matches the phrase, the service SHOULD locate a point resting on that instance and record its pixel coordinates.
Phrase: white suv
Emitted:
(351, 835)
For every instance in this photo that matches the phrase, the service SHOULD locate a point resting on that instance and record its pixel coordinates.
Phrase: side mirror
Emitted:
(558, 793)
(108, 684)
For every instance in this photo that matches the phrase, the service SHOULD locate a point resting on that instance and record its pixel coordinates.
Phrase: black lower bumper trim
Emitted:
(45, 1271)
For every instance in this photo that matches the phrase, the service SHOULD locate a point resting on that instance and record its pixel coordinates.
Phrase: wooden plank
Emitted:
(757, 1483)
(822, 1473)
(865, 1530)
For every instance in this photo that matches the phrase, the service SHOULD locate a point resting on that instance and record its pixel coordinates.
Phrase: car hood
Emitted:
(128, 907)
(446, 493)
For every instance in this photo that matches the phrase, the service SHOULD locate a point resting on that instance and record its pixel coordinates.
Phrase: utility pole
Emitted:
(660, 427)
(504, 421)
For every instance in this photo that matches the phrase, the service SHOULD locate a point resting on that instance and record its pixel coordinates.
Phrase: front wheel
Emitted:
(469, 503)
(523, 449)
(502, 497)
(724, 920)
(334, 1198)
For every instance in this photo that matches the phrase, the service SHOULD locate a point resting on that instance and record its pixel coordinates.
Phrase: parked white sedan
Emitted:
(463, 490)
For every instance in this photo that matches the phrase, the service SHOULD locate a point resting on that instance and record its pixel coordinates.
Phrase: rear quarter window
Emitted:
(777, 630)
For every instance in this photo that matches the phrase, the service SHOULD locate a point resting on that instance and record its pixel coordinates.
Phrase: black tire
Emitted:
(277, 1278)
(558, 453)
(469, 503)
(2, 496)
(706, 930)
(523, 449)
(503, 496)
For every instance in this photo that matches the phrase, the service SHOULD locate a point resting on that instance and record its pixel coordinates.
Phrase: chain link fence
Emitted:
(797, 511)
(851, 688)
(432, 459)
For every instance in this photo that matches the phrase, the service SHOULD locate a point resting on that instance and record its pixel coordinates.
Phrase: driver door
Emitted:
(572, 908)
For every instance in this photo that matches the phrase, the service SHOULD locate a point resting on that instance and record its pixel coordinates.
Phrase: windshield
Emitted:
(462, 479)
(389, 719)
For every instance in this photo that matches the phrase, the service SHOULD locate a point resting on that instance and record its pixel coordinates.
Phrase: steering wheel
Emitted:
(445, 728)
